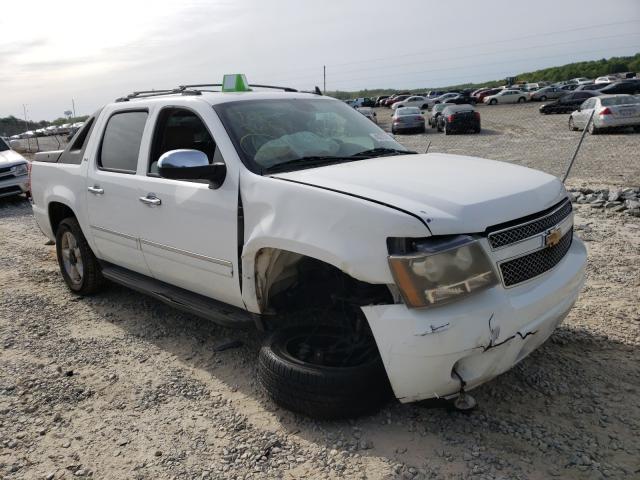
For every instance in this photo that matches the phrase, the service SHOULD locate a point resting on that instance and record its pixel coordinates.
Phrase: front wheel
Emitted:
(522, 100)
(543, 98)
(323, 371)
(572, 125)
(493, 101)
(78, 265)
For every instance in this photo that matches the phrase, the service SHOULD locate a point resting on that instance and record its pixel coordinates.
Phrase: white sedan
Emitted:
(506, 96)
(415, 101)
(441, 99)
(609, 111)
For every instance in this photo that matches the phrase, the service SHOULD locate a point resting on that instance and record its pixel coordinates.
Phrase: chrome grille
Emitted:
(530, 266)
(533, 227)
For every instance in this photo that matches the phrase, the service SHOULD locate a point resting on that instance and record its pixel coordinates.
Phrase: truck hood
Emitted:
(450, 193)
(9, 158)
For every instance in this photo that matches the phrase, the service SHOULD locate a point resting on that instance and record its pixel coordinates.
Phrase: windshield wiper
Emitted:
(381, 152)
(306, 162)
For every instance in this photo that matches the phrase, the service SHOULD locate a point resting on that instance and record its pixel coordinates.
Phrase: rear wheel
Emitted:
(522, 100)
(593, 130)
(446, 130)
(78, 265)
(543, 98)
(323, 371)
(493, 101)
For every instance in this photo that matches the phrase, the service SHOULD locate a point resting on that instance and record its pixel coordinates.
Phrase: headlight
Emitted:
(19, 170)
(442, 270)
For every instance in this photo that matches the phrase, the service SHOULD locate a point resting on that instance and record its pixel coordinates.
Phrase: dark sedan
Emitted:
(568, 103)
(436, 111)
(459, 119)
(461, 99)
(629, 86)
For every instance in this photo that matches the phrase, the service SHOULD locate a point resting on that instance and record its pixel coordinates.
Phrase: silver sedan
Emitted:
(609, 111)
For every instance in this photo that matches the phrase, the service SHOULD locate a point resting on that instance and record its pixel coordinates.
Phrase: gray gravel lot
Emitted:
(121, 386)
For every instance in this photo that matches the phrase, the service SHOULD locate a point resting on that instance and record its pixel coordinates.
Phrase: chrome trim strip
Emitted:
(119, 234)
(560, 207)
(197, 256)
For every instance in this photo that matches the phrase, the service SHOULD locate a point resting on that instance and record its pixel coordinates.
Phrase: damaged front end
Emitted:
(439, 349)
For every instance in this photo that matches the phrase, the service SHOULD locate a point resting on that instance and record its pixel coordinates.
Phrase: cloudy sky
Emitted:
(92, 52)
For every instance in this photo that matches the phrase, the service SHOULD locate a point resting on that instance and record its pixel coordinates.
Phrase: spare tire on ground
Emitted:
(323, 371)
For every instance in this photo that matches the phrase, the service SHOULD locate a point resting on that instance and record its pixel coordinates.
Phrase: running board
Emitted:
(199, 305)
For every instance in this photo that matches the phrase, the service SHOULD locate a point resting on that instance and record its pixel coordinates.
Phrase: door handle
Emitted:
(151, 200)
(96, 190)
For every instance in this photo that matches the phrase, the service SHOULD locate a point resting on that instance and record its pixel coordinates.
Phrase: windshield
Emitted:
(3, 146)
(612, 101)
(267, 133)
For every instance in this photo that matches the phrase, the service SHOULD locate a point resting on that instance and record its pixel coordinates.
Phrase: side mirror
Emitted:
(15, 144)
(191, 165)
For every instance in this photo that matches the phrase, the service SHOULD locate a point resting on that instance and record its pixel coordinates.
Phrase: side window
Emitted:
(75, 151)
(178, 128)
(121, 141)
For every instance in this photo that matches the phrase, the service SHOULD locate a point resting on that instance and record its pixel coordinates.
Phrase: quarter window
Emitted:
(121, 141)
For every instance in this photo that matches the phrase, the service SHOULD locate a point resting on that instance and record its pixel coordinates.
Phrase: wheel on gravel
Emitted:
(323, 371)
(522, 100)
(572, 126)
(543, 98)
(78, 265)
(593, 130)
(493, 101)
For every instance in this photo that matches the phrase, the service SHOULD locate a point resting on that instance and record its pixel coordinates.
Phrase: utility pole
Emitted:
(324, 79)
(73, 104)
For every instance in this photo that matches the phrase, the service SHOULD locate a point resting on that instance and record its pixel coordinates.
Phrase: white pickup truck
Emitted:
(371, 268)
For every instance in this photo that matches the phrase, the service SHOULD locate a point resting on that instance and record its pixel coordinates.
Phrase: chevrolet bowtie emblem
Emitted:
(552, 238)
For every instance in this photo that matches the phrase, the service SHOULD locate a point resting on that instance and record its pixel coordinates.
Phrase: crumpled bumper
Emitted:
(479, 337)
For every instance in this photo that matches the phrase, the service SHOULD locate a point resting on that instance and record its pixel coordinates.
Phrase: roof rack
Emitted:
(195, 89)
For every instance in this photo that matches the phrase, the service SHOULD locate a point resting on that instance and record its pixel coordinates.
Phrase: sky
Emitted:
(93, 52)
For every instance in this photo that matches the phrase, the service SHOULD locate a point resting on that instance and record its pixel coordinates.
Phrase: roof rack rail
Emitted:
(194, 89)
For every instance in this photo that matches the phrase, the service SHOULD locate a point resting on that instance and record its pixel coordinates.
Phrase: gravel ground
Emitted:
(121, 386)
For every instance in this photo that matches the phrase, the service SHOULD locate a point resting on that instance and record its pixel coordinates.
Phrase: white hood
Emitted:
(451, 193)
(9, 158)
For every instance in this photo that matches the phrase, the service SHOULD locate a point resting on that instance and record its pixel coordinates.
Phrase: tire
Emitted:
(324, 392)
(593, 130)
(493, 101)
(522, 100)
(543, 98)
(572, 126)
(477, 130)
(424, 107)
(446, 130)
(636, 129)
(78, 265)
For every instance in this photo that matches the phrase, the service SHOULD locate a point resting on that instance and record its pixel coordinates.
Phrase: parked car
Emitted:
(590, 87)
(459, 119)
(435, 93)
(414, 101)
(369, 113)
(407, 119)
(390, 101)
(609, 112)
(581, 80)
(629, 86)
(380, 100)
(14, 171)
(570, 87)
(441, 99)
(363, 102)
(387, 102)
(506, 96)
(606, 79)
(436, 111)
(400, 270)
(485, 93)
(567, 103)
(547, 93)
(461, 99)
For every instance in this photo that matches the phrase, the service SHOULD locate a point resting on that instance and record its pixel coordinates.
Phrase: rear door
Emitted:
(190, 236)
(113, 189)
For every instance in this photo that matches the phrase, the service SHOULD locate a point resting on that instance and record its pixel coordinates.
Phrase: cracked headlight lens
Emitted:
(442, 271)
(19, 170)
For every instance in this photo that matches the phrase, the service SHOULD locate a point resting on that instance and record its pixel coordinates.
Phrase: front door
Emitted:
(113, 191)
(189, 233)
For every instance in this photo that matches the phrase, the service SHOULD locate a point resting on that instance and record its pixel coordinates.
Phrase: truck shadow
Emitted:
(551, 386)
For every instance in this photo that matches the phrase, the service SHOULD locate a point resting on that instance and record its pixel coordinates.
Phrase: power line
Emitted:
(494, 42)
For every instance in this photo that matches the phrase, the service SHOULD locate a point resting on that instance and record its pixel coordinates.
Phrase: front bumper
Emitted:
(13, 185)
(480, 337)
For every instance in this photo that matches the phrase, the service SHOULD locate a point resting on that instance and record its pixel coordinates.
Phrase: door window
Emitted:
(121, 142)
(178, 128)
